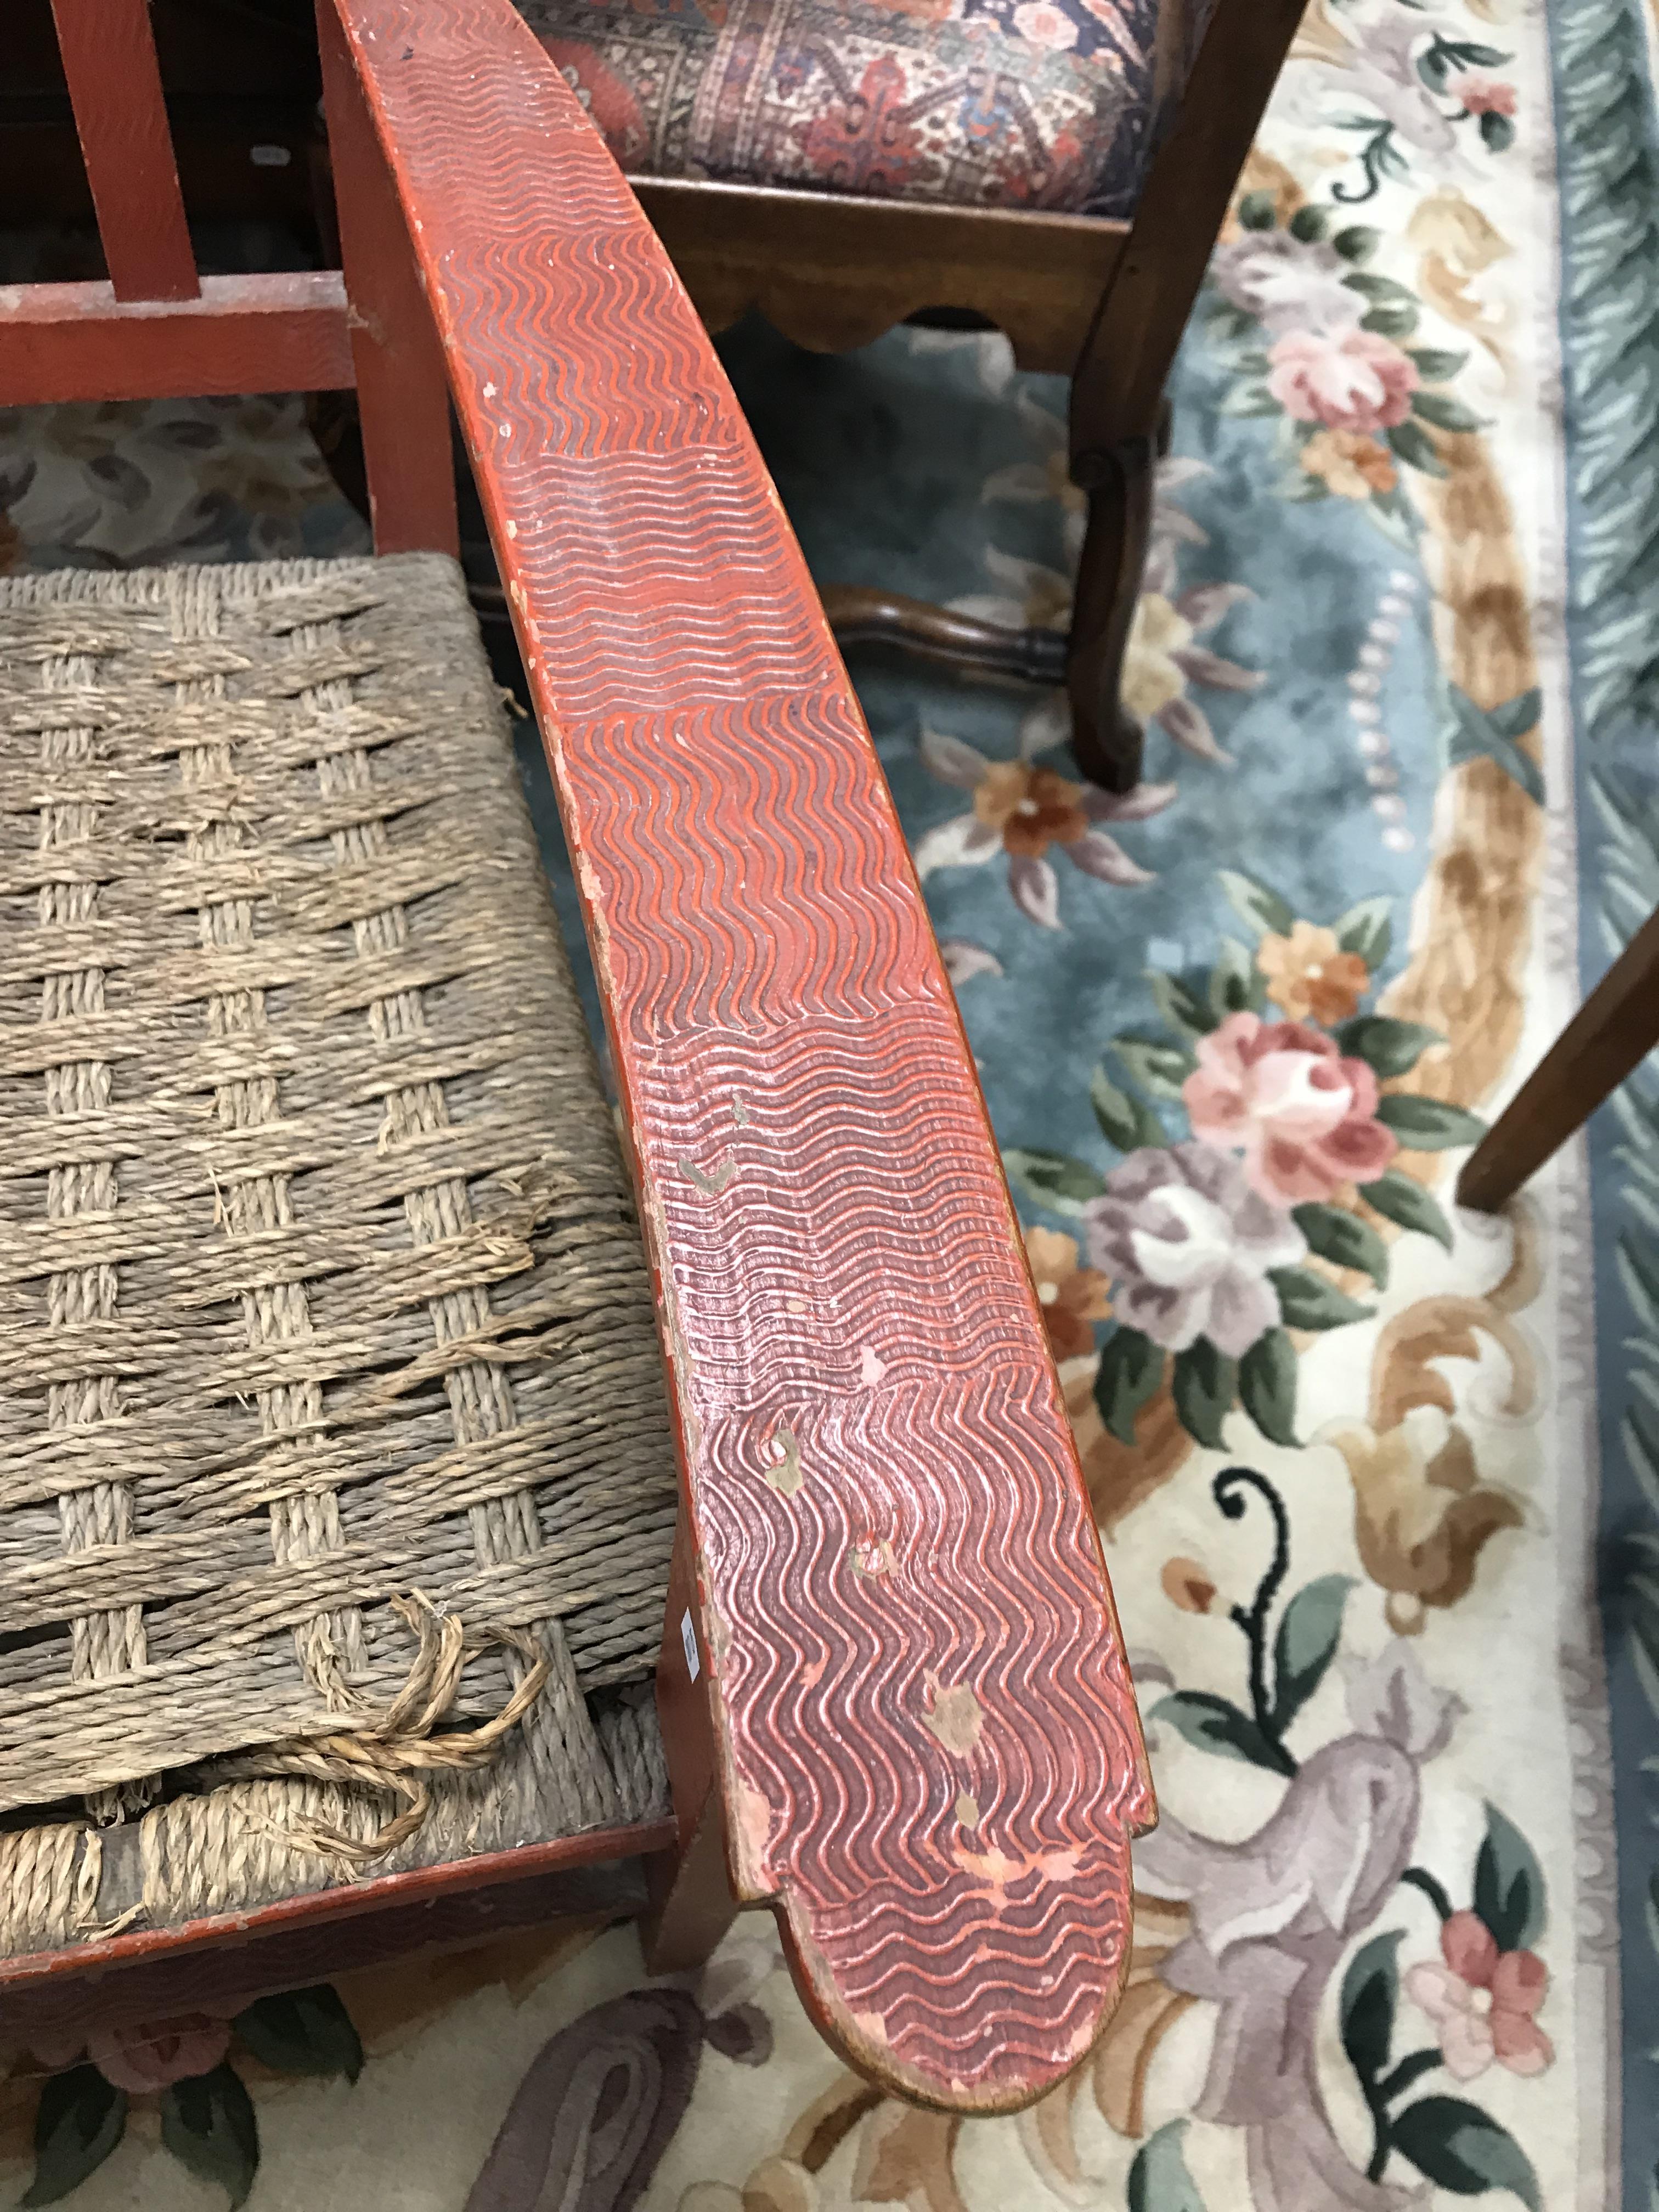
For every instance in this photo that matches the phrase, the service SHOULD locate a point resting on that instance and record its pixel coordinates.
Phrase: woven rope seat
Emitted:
(337, 1491)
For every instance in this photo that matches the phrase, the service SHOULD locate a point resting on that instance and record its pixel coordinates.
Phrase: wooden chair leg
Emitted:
(1617, 1026)
(691, 1904)
(1107, 741)
(861, 616)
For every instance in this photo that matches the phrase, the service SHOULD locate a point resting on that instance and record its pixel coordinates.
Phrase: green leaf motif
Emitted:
(1258, 211)
(1641, 1444)
(1382, 291)
(1387, 1047)
(1478, 734)
(1435, 367)
(1156, 1066)
(1266, 1386)
(1445, 412)
(1217, 1725)
(207, 2124)
(1181, 1008)
(1497, 132)
(1459, 2148)
(1308, 223)
(302, 2032)
(1251, 398)
(1306, 1644)
(1414, 446)
(1158, 2179)
(1391, 322)
(1299, 488)
(1343, 1239)
(1398, 1198)
(1368, 930)
(1255, 903)
(1125, 1121)
(1203, 1389)
(1428, 1125)
(1357, 242)
(1131, 1368)
(1053, 1179)
(1641, 1278)
(1235, 987)
(1508, 1885)
(1370, 1991)
(1518, 717)
(1308, 1301)
(78, 2124)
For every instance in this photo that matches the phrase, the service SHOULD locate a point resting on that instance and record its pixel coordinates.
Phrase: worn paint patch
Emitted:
(871, 2026)
(873, 1555)
(753, 1826)
(711, 1186)
(740, 1111)
(956, 1718)
(785, 1471)
(717, 1630)
(870, 1370)
(968, 1809)
(995, 1872)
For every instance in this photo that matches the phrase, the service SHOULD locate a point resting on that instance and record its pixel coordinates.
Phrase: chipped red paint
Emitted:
(857, 1359)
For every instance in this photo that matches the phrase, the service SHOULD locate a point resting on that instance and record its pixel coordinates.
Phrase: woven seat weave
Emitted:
(320, 1284)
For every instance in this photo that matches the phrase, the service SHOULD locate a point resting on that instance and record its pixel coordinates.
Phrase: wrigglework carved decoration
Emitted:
(924, 1727)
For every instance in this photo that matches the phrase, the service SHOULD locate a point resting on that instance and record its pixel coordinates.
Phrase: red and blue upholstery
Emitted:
(992, 103)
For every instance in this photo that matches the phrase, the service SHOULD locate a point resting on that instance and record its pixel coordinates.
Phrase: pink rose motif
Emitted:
(1304, 1118)
(1486, 95)
(1345, 380)
(160, 2052)
(1045, 26)
(1482, 2000)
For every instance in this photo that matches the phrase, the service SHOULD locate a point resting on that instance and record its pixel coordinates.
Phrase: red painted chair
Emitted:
(891, 1687)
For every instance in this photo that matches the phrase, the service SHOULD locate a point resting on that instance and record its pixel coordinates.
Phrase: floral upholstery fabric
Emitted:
(1007, 103)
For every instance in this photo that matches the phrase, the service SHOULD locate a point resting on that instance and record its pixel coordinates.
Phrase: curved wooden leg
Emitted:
(1107, 741)
(1615, 1029)
(860, 616)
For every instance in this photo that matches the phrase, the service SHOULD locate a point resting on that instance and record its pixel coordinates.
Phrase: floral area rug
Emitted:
(1379, 1482)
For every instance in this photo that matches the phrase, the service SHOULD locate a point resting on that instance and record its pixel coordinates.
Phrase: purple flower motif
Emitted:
(1187, 1244)
(1287, 283)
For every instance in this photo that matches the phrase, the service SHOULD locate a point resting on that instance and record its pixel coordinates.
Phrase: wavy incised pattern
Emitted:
(926, 1731)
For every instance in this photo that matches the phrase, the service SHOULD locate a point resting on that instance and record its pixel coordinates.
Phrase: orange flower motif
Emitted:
(1351, 465)
(1310, 976)
(1072, 1298)
(1019, 810)
(1032, 808)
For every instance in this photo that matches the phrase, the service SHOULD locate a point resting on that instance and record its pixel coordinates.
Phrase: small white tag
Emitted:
(270, 157)
(689, 1638)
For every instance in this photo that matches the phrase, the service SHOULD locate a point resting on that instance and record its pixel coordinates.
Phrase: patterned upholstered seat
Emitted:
(994, 103)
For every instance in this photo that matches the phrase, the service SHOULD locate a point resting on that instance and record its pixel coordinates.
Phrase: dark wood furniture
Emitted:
(1609, 1036)
(892, 1686)
(1102, 300)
